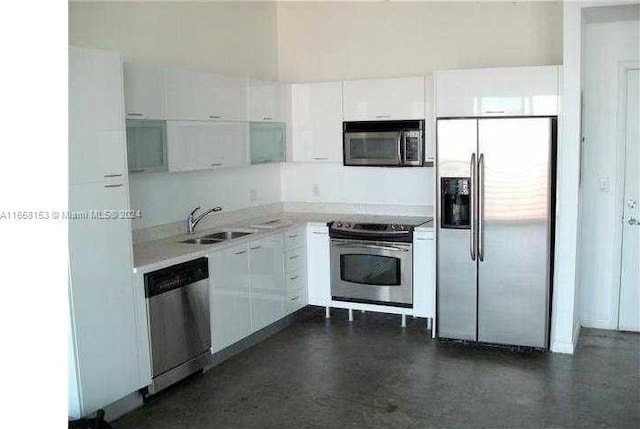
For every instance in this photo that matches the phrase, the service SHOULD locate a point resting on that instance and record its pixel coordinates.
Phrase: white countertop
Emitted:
(156, 254)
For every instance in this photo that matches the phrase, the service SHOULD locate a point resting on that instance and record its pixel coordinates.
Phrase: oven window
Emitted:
(370, 269)
(373, 148)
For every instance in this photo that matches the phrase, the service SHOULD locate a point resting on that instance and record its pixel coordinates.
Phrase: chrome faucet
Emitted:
(193, 221)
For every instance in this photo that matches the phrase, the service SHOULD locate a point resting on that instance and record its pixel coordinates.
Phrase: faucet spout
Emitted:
(193, 220)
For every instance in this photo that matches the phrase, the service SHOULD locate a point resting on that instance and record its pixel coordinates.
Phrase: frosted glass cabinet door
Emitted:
(146, 146)
(267, 142)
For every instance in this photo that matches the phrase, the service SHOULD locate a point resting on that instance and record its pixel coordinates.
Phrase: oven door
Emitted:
(373, 148)
(372, 272)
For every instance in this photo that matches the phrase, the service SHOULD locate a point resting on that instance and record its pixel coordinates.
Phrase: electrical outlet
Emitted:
(253, 195)
(315, 190)
(604, 184)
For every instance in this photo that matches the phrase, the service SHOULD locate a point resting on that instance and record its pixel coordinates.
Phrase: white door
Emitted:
(266, 274)
(230, 303)
(629, 316)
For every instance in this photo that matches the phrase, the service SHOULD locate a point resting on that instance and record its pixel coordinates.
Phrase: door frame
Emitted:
(621, 131)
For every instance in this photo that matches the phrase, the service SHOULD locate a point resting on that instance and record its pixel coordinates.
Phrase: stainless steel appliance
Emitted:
(384, 143)
(178, 317)
(372, 262)
(495, 179)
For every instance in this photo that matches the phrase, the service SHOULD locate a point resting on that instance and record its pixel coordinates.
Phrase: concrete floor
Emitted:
(371, 373)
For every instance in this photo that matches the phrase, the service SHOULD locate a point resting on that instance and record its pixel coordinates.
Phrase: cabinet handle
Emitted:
(295, 297)
(321, 158)
(113, 175)
(383, 116)
(215, 116)
(216, 164)
(114, 186)
(293, 278)
(266, 118)
(494, 111)
(293, 236)
(138, 170)
(135, 114)
(240, 252)
(255, 248)
(293, 257)
(319, 233)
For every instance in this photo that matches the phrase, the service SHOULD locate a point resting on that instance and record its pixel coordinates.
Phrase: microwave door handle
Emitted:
(400, 148)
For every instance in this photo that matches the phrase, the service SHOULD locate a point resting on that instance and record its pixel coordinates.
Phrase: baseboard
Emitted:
(597, 324)
(563, 347)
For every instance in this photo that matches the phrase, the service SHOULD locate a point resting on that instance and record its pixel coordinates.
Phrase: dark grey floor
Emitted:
(371, 373)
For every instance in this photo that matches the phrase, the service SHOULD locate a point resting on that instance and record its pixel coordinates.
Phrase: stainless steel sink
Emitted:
(202, 240)
(226, 235)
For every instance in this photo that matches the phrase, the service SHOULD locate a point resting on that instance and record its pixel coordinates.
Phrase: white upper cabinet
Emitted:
(97, 149)
(316, 122)
(204, 96)
(430, 121)
(266, 101)
(383, 99)
(144, 92)
(513, 91)
(201, 145)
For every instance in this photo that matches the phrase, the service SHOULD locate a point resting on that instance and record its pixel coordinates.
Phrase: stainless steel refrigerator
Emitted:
(495, 180)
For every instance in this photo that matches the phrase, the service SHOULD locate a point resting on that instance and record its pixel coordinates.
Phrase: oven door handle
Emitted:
(372, 246)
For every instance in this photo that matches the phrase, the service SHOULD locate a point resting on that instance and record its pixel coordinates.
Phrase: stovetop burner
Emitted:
(373, 231)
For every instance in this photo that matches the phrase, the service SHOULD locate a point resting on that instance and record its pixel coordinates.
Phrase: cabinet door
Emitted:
(204, 96)
(430, 122)
(266, 101)
(146, 145)
(512, 91)
(380, 99)
(267, 142)
(96, 122)
(316, 122)
(318, 266)
(230, 302)
(102, 297)
(199, 145)
(144, 92)
(266, 281)
(424, 274)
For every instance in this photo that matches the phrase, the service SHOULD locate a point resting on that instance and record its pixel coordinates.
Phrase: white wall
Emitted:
(320, 41)
(605, 45)
(238, 39)
(169, 197)
(358, 185)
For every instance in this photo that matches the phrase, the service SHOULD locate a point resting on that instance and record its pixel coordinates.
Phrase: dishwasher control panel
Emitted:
(175, 276)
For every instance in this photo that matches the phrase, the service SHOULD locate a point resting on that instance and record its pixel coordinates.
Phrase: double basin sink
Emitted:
(218, 237)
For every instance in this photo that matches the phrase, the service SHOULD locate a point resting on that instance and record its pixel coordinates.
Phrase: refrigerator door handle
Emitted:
(481, 207)
(472, 237)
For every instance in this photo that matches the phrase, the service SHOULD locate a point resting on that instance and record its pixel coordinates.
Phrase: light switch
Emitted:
(315, 191)
(604, 184)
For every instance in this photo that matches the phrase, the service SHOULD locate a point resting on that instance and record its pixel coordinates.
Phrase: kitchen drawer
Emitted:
(295, 301)
(294, 260)
(294, 238)
(295, 281)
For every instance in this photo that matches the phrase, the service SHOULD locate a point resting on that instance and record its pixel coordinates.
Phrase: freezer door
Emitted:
(457, 269)
(514, 171)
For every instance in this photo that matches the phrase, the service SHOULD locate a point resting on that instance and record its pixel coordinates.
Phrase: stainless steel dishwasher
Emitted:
(179, 321)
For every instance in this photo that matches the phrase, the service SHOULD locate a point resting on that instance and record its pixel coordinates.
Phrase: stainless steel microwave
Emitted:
(383, 143)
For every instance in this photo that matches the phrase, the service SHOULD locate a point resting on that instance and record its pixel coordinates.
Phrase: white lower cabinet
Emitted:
(230, 301)
(318, 265)
(295, 269)
(266, 281)
(104, 340)
(424, 274)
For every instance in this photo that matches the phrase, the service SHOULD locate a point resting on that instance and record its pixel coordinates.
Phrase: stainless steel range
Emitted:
(372, 262)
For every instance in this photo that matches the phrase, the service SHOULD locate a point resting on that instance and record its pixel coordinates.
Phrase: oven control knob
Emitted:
(338, 225)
